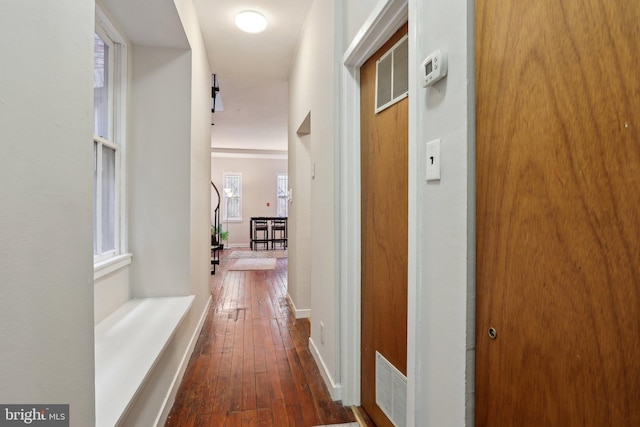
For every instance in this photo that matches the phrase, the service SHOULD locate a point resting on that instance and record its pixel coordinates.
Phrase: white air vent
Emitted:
(391, 391)
(392, 75)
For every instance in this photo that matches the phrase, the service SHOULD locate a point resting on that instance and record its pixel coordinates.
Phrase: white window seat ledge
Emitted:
(128, 344)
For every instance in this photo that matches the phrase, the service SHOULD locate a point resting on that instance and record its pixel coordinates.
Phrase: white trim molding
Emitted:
(335, 390)
(302, 313)
(387, 17)
(249, 154)
(109, 265)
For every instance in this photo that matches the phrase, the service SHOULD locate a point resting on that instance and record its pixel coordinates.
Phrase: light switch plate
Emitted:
(433, 160)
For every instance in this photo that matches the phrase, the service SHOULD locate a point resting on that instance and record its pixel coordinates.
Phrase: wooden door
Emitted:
(384, 164)
(558, 213)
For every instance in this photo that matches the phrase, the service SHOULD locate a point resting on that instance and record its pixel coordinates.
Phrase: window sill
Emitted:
(102, 268)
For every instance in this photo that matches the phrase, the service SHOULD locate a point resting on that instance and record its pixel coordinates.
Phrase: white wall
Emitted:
(110, 292)
(200, 159)
(259, 175)
(316, 61)
(46, 262)
(357, 12)
(159, 176)
(299, 148)
(444, 249)
(299, 272)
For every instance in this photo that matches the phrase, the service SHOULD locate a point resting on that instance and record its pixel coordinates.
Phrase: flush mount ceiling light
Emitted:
(251, 21)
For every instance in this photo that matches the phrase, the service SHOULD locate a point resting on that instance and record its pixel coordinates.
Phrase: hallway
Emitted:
(251, 365)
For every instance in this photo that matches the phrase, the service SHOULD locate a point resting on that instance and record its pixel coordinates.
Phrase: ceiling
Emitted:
(252, 71)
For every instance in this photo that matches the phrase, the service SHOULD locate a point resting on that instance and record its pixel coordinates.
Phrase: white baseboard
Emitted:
(335, 390)
(299, 314)
(177, 379)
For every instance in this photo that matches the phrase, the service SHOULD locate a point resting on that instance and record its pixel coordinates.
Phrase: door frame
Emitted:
(387, 17)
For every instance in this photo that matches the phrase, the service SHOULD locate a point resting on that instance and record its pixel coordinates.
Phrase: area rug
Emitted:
(258, 254)
(252, 264)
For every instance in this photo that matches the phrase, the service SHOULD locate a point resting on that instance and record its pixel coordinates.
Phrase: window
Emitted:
(282, 185)
(108, 95)
(233, 196)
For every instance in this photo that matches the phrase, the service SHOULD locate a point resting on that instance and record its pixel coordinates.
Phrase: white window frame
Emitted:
(237, 195)
(282, 197)
(109, 261)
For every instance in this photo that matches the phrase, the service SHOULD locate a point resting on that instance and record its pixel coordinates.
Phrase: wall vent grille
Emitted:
(392, 75)
(391, 391)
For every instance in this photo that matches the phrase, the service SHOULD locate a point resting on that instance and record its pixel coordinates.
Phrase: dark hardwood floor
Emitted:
(251, 365)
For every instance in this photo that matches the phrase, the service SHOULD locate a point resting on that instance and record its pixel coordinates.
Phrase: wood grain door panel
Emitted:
(558, 213)
(384, 169)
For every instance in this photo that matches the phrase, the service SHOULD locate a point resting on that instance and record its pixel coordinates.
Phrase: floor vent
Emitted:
(392, 75)
(391, 391)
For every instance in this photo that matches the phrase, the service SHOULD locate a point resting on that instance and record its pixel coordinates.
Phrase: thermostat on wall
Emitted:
(434, 67)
